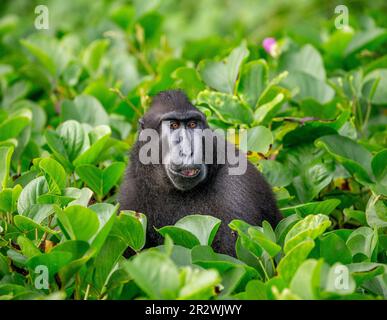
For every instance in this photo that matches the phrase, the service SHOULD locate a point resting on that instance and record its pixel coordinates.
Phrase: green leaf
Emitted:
(30, 193)
(130, 227)
(5, 163)
(106, 260)
(265, 112)
(226, 107)
(253, 80)
(305, 86)
(270, 246)
(203, 227)
(376, 213)
(365, 271)
(78, 223)
(379, 168)
(9, 197)
(93, 54)
(276, 173)
(310, 227)
(106, 214)
(306, 281)
(307, 60)
(366, 39)
(101, 135)
(355, 158)
(14, 124)
(55, 175)
(334, 249)
(198, 284)
(101, 181)
(222, 75)
(259, 139)
(85, 109)
(180, 236)
(376, 82)
(188, 79)
(157, 283)
(53, 261)
(31, 228)
(73, 138)
(27, 247)
(289, 264)
(323, 207)
(362, 243)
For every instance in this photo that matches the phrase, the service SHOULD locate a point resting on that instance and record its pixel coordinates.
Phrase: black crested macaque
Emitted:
(166, 192)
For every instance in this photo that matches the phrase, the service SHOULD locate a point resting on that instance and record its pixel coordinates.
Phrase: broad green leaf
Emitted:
(188, 79)
(376, 213)
(222, 75)
(5, 163)
(73, 138)
(276, 173)
(355, 158)
(14, 124)
(366, 39)
(78, 223)
(106, 214)
(30, 193)
(53, 261)
(198, 284)
(365, 271)
(323, 207)
(226, 107)
(253, 80)
(93, 54)
(31, 228)
(265, 112)
(362, 243)
(306, 281)
(27, 247)
(55, 175)
(255, 290)
(48, 51)
(305, 86)
(106, 260)
(157, 283)
(90, 156)
(101, 181)
(85, 109)
(203, 227)
(259, 139)
(379, 168)
(180, 236)
(307, 60)
(289, 264)
(271, 247)
(80, 196)
(9, 197)
(374, 86)
(131, 227)
(334, 249)
(310, 227)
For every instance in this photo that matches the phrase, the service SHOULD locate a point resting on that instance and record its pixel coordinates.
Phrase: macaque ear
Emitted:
(141, 123)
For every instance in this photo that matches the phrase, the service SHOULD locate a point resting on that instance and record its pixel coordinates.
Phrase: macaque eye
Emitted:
(174, 124)
(192, 124)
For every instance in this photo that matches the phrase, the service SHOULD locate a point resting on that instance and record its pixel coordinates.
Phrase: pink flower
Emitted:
(271, 47)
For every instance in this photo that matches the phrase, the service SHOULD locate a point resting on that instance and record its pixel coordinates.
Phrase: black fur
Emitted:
(147, 189)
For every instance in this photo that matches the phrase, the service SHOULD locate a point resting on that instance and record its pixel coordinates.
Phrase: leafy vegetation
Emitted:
(314, 106)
